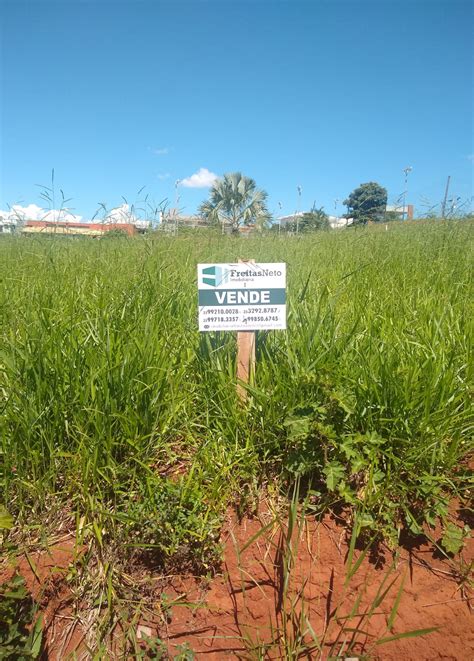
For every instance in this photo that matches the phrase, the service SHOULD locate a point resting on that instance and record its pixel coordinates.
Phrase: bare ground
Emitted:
(254, 608)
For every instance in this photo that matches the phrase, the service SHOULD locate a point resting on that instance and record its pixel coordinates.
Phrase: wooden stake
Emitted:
(245, 355)
(245, 361)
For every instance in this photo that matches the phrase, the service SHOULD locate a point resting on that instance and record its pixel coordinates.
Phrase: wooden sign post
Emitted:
(246, 360)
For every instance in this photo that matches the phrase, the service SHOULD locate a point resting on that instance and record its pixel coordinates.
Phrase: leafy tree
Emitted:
(367, 202)
(390, 216)
(316, 219)
(235, 201)
(310, 221)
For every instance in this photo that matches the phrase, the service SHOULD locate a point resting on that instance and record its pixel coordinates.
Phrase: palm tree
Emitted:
(235, 201)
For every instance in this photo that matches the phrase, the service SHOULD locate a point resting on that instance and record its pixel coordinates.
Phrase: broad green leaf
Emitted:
(298, 427)
(453, 538)
(366, 520)
(334, 472)
(6, 519)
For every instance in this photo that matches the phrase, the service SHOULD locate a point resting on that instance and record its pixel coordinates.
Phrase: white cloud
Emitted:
(165, 175)
(20, 213)
(203, 178)
(161, 151)
(121, 214)
(125, 214)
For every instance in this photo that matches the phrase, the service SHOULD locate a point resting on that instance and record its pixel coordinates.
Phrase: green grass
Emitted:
(116, 411)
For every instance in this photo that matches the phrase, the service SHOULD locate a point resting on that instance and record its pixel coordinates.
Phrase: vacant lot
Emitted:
(121, 428)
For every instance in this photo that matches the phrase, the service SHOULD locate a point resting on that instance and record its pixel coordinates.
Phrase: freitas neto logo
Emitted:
(215, 276)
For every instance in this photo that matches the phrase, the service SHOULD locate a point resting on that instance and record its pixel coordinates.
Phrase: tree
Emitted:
(367, 202)
(390, 216)
(309, 221)
(316, 219)
(235, 201)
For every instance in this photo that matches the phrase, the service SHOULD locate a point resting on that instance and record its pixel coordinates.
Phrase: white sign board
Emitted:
(243, 296)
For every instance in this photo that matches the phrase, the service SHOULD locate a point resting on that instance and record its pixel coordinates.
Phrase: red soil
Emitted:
(246, 603)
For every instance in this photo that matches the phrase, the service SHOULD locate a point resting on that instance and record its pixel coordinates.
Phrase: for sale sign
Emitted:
(243, 296)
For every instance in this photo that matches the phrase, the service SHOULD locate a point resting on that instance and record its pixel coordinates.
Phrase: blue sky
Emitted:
(325, 95)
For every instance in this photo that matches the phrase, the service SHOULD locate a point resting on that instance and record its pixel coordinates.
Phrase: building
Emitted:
(7, 226)
(173, 218)
(283, 221)
(335, 222)
(404, 212)
(66, 228)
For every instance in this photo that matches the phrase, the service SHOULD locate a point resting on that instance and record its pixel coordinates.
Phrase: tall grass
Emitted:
(115, 408)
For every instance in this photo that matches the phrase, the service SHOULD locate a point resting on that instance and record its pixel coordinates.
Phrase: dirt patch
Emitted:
(249, 609)
(272, 598)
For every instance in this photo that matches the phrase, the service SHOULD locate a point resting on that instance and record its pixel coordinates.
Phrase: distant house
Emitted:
(405, 212)
(334, 221)
(173, 218)
(66, 228)
(284, 221)
(337, 222)
(7, 226)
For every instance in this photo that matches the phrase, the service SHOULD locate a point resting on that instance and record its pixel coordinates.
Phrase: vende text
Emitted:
(242, 296)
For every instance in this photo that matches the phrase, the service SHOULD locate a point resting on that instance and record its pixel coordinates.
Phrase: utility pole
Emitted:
(443, 207)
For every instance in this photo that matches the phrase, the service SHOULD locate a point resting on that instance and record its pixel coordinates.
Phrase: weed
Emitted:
(20, 629)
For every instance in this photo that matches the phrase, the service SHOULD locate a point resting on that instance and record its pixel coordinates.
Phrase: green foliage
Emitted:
(6, 519)
(115, 407)
(310, 221)
(184, 653)
(454, 537)
(150, 648)
(114, 234)
(367, 202)
(235, 202)
(391, 216)
(20, 634)
(316, 219)
(172, 522)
